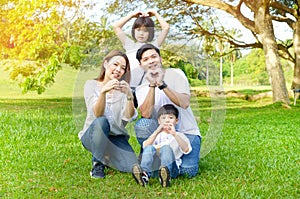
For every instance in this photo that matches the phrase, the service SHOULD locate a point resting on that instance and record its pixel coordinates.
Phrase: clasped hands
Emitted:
(149, 13)
(115, 84)
(168, 128)
(155, 76)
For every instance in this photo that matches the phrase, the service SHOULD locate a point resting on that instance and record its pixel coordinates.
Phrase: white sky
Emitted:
(282, 31)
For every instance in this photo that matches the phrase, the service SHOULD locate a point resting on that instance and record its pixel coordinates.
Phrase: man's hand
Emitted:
(155, 76)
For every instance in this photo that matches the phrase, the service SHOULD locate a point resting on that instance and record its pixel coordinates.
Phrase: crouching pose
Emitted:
(109, 104)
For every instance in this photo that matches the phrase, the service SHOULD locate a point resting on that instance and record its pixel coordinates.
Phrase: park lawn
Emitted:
(250, 149)
(256, 156)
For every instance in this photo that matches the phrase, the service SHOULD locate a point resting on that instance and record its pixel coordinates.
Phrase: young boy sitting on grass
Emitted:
(166, 144)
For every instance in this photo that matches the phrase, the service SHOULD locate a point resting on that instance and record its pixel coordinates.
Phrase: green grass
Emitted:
(256, 154)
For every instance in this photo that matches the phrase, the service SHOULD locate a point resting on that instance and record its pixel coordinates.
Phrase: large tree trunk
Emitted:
(296, 39)
(263, 24)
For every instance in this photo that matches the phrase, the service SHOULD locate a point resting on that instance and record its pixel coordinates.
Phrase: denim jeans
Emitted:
(111, 150)
(190, 162)
(166, 158)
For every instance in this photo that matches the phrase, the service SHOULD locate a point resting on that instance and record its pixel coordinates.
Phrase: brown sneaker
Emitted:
(140, 177)
(164, 177)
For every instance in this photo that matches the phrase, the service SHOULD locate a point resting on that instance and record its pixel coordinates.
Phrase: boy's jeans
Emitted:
(190, 162)
(166, 157)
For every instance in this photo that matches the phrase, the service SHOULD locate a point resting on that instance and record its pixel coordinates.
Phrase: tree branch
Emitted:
(285, 9)
(232, 10)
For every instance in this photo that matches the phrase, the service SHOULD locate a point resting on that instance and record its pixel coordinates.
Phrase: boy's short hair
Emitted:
(144, 48)
(147, 22)
(168, 109)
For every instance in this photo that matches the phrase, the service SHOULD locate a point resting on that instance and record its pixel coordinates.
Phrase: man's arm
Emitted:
(147, 107)
(180, 99)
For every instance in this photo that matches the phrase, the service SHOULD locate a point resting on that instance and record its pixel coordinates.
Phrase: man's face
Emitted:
(150, 60)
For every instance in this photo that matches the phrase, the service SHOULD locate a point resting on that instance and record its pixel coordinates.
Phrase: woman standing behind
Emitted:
(110, 107)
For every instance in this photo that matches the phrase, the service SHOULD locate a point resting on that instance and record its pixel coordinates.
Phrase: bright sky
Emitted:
(282, 31)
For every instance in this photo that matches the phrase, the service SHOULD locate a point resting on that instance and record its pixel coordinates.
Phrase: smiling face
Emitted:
(150, 59)
(141, 34)
(115, 67)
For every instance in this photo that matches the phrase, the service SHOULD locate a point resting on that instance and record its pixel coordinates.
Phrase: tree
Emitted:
(39, 37)
(261, 26)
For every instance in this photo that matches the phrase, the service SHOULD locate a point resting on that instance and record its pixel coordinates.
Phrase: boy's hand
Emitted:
(169, 128)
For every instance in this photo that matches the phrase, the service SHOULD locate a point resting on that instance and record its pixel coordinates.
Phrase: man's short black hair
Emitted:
(168, 109)
(144, 48)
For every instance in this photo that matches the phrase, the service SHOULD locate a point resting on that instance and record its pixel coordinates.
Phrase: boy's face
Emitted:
(141, 34)
(167, 119)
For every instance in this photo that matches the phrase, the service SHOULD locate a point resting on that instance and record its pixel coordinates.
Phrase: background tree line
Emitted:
(40, 37)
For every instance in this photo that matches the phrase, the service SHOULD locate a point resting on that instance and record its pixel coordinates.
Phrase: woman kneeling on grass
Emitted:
(110, 107)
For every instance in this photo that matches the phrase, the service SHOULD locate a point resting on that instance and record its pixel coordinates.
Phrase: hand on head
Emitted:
(149, 13)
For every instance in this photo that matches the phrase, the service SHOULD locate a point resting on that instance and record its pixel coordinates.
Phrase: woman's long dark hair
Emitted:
(107, 58)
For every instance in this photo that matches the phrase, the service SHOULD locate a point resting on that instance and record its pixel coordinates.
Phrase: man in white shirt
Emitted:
(166, 86)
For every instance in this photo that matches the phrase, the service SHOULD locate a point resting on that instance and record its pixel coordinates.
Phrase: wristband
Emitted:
(163, 86)
(153, 86)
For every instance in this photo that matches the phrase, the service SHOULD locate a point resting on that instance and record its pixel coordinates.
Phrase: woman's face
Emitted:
(115, 67)
(141, 34)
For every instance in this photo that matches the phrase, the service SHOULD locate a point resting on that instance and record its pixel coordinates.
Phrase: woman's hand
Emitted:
(125, 88)
(110, 85)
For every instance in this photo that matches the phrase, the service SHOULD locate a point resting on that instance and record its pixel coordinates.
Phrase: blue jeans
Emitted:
(112, 150)
(190, 162)
(166, 158)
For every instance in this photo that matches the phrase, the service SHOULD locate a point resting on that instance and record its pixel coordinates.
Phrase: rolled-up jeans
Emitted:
(112, 150)
(166, 159)
(144, 127)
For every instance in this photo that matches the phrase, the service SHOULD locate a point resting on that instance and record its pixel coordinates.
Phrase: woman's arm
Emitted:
(129, 110)
(99, 107)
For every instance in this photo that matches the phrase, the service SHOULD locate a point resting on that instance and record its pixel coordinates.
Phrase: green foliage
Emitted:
(250, 69)
(72, 55)
(40, 38)
(44, 77)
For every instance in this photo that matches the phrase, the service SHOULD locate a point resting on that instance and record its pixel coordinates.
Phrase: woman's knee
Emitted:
(102, 125)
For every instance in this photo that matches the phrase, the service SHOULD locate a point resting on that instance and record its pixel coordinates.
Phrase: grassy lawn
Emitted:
(255, 154)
